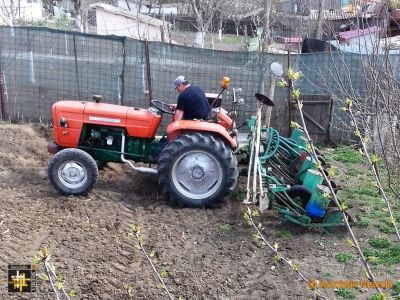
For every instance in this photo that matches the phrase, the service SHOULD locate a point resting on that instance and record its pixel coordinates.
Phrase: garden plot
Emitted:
(203, 254)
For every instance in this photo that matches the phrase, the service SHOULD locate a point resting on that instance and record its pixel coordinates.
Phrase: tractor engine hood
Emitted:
(69, 117)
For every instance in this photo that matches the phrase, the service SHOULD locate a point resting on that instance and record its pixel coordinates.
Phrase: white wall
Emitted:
(109, 23)
(31, 11)
(28, 10)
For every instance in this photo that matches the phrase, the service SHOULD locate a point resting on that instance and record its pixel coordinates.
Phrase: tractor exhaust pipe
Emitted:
(142, 170)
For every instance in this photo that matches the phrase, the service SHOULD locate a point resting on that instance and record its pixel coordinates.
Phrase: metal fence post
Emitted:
(123, 71)
(2, 107)
(148, 71)
(290, 83)
(78, 86)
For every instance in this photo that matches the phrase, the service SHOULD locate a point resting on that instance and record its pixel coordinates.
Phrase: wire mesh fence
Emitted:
(40, 66)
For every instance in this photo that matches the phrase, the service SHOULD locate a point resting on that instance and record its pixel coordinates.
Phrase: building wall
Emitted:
(109, 23)
(31, 11)
(361, 44)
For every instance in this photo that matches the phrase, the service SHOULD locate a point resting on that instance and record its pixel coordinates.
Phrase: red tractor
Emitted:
(196, 165)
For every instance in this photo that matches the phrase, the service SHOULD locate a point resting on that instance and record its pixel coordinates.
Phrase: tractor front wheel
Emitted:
(197, 170)
(73, 172)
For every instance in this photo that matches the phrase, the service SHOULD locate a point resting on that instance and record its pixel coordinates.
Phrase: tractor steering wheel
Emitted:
(162, 106)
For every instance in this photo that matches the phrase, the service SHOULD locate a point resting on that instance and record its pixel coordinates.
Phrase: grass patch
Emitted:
(384, 228)
(388, 256)
(224, 227)
(366, 192)
(358, 189)
(351, 171)
(286, 233)
(346, 293)
(396, 288)
(232, 39)
(344, 257)
(367, 189)
(347, 155)
(379, 243)
(377, 214)
(377, 297)
(364, 222)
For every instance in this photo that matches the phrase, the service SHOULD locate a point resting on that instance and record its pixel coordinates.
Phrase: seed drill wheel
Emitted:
(335, 216)
(72, 172)
(197, 170)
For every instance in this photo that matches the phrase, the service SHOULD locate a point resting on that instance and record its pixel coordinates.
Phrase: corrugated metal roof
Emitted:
(347, 35)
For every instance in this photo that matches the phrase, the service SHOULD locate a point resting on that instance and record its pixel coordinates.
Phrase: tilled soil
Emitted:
(206, 254)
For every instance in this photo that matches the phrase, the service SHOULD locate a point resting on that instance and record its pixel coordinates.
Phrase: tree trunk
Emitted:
(127, 5)
(11, 16)
(200, 29)
(320, 21)
(266, 36)
(160, 8)
(200, 38)
(85, 23)
(220, 29)
(246, 38)
(140, 6)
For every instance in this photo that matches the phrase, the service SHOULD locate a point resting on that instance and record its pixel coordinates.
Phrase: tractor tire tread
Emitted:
(208, 142)
(73, 154)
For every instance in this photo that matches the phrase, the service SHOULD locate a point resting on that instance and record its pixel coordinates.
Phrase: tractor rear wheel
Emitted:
(73, 172)
(197, 170)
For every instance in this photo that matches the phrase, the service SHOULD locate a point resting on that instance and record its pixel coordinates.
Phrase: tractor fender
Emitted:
(178, 127)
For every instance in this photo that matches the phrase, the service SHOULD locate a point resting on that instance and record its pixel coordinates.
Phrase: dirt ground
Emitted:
(207, 254)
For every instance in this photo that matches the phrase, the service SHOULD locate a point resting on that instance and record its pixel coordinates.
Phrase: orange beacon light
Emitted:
(225, 82)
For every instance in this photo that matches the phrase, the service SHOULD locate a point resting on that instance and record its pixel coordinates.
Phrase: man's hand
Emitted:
(172, 107)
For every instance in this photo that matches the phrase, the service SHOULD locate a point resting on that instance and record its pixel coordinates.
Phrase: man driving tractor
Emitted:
(192, 101)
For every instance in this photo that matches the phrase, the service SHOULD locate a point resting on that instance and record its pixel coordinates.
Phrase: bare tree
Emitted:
(373, 91)
(9, 11)
(267, 6)
(204, 12)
